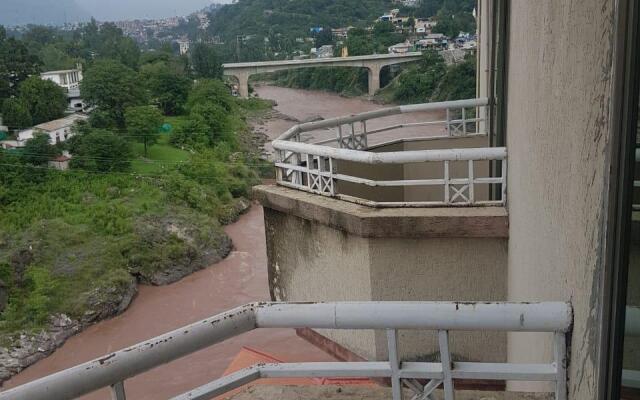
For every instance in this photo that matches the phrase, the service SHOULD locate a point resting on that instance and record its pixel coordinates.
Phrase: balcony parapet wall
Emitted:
(368, 222)
(325, 249)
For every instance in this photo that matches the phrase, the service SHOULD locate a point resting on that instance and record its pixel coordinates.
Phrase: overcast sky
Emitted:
(110, 10)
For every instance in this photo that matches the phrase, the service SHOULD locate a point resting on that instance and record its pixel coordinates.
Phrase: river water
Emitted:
(303, 105)
(241, 278)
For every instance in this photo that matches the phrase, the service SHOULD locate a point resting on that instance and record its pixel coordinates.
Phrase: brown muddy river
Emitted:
(302, 105)
(239, 279)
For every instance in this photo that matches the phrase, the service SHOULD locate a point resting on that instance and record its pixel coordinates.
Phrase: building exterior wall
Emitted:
(441, 269)
(433, 170)
(310, 259)
(558, 95)
(55, 136)
(312, 262)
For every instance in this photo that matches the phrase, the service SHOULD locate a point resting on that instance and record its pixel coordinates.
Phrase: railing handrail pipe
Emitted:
(116, 367)
(394, 157)
(384, 112)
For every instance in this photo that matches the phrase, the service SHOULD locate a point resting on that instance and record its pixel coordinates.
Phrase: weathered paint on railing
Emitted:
(113, 369)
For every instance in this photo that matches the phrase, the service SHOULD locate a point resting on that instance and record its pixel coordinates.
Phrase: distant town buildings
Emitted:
(325, 51)
(407, 3)
(341, 33)
(401, 48)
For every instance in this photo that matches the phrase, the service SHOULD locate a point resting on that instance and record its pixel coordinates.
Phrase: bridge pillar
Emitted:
(374, 78)
(243, 85)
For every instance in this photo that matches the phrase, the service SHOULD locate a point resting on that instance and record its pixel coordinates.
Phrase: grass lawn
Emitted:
(160, 156)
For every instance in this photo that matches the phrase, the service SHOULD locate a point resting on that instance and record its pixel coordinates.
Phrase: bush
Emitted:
(100, 151)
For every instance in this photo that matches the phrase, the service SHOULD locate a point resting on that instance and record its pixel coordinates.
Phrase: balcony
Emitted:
(404, 168)
(420, 378)
(398, 204)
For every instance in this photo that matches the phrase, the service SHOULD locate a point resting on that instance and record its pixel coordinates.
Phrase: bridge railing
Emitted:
(423, 378)
(315, 167)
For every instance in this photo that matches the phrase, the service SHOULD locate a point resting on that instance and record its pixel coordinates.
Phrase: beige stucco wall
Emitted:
(458, 169)
(559, 83)
(432, 170)
(312, 262)
(441, 269)
(309, 261)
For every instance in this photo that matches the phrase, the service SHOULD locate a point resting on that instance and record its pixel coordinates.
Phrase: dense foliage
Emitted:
(158, 167)
(112, 87)
(44, 99)
(432, 80)
(293, 18)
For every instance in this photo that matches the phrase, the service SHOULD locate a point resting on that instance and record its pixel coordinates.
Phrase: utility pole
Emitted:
(238, 48)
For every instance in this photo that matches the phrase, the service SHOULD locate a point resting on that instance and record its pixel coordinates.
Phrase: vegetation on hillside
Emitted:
(418, 82)
(160, 165)
(432, 80)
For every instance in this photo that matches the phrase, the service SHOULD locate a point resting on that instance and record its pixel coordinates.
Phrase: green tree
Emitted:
(217, 121)
(15, 114)
(100, 150)
(38, 151)
(211, 91)
(419, 83)
(205, 61)
(459, 82)
(143, 124)
(109, 42)
(324, 37)
(168, 86)
(16, 65)
(112, 87)
(53, 58)
(194, 132)
(46, 100)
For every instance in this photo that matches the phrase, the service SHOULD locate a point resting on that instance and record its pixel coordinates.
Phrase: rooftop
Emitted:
(60, 123)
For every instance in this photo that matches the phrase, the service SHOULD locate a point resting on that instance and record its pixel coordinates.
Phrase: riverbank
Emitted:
(75, 246)
(238, 279)
(25, 348)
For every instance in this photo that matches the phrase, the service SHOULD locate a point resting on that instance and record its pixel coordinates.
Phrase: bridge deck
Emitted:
(328, 60)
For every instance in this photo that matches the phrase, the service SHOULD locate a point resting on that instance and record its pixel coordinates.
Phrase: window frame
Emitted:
(626, 88)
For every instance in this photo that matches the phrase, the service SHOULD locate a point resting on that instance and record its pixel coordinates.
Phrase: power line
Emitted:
(147, 161)
(83, 171)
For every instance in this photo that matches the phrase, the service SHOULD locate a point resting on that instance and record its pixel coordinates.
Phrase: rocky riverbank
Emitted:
(22, 349)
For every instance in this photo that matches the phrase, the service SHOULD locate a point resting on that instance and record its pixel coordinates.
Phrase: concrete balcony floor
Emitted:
(334, 392)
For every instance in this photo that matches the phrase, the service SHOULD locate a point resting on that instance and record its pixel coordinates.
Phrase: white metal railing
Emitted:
(314, 167)
(113, 369)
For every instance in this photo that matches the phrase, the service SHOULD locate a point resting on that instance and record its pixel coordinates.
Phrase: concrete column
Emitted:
(243, 84)
(374, 78)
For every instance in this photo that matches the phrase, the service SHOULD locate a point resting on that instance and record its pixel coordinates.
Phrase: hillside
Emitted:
(45, 12)
(268, 17)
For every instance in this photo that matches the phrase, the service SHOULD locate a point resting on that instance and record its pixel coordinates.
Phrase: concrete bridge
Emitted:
(374, 63)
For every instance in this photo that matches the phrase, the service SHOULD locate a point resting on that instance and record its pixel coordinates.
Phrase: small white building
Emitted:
(58, 130)
(400, 48)
(184, 46)
(69, 80)
(325, 51)
(60, 163)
